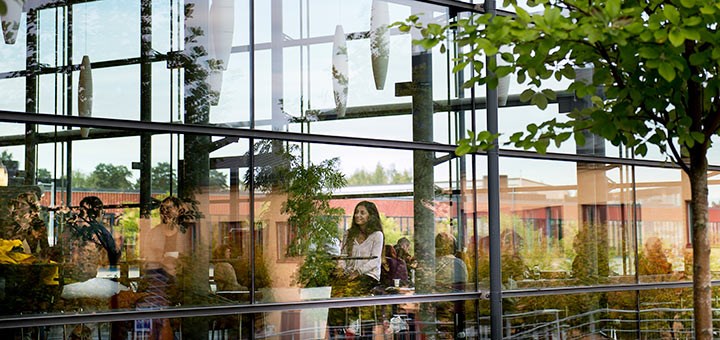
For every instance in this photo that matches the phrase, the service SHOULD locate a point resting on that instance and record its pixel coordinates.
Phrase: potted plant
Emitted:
(314, 221)
(309, 190)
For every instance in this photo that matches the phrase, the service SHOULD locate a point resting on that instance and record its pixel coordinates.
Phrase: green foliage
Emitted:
(162, 177)
(218, 181)
(391, 230)
(105, 176)
(108, 176)
(309, 190)
(379, 176)
(656, 62)
(6, 156)
(3, 7)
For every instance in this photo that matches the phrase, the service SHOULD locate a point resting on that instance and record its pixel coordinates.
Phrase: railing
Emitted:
(654, 323)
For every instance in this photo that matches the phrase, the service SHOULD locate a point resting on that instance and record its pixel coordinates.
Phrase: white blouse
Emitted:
(371, 247)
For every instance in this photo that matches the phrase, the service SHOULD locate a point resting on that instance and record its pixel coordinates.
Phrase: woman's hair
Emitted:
(176, 202)
(373, 224)
(390, 251)
(444, 244)
(28, 198)
(219, 252)
(91, 207)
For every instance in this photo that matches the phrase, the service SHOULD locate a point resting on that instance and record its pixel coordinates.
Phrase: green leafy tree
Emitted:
(379, 176)
(80, 179)
(108, 176)
(218, 180)
(656, 62)
(44, 174)
(162, 177)
(6, 156)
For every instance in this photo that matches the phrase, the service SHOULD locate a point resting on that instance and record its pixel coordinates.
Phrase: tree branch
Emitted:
(678, 158)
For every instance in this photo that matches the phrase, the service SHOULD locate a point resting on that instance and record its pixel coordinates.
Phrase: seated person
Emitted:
(393, 268)
(224, 273)
(450, 271)
(28, 227)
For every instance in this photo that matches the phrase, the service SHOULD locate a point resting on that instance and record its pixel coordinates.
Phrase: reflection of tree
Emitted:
(105, 176)
(591, 260)
(652, 260)
(380, 176)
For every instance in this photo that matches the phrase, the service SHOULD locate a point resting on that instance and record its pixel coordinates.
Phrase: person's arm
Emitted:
(373, 265)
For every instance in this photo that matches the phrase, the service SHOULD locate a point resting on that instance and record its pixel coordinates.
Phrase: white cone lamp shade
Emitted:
(379, 42)
(222, 24)
(502, 90)
(85, 93)
(340, 71)
(11, 20)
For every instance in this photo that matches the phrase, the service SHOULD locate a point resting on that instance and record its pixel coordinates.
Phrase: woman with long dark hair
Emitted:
(359, 270)
(363, 246)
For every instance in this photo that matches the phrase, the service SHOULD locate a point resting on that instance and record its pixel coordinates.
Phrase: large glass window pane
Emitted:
(566, 224)
(665, 251)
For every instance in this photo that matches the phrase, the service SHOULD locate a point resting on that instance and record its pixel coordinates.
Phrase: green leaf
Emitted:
(550, 94)
(562, 137)
(692, 33)
(612, 8)
(672, 14)
(698, 59)
(463, 148)
(459, 66)
(698, 136)
(641, 150)
(579, 139)
(707, 10)
(649, 52)
(677, 38)
(688, 3)
(539, 100)
(527, 95)
(667, 71)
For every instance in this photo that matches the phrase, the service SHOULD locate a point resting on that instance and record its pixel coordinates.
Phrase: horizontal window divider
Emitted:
(41, 70)
(112, 128)
(134, 127)
(212, 311)
(598, 289)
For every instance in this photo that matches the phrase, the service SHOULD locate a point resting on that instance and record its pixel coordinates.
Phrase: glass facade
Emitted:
(286, 169)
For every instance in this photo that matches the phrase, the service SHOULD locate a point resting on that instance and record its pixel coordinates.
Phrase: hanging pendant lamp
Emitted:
(340, 71)
(222, 27)
(379, 41)
(11, 20)
(85, 93)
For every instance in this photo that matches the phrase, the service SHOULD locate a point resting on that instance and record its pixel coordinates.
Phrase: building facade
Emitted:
(232, 143)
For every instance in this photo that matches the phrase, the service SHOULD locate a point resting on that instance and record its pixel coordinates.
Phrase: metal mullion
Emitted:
(159, 127)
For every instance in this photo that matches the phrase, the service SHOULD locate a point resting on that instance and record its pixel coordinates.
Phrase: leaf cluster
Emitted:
(309, 188)
(650, 68)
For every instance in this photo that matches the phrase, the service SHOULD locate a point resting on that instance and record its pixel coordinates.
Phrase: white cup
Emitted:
(396, 282)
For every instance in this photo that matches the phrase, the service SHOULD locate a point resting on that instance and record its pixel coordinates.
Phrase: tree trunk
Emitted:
(701, 246)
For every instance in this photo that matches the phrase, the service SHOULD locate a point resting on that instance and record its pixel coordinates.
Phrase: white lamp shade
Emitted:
(340, 71)
(85, 93)
(11, 20)
(502, 90)
(379, 42)
(222, 27)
